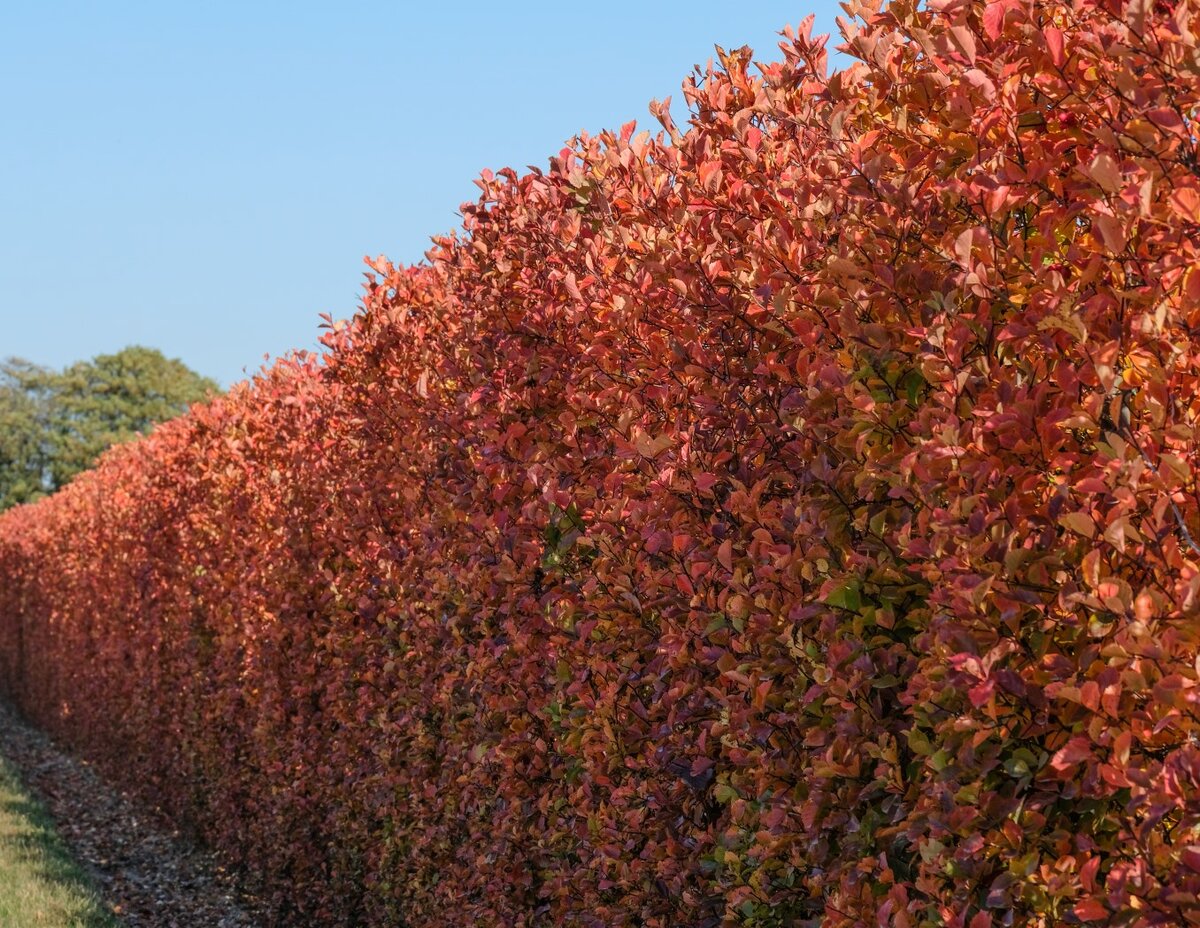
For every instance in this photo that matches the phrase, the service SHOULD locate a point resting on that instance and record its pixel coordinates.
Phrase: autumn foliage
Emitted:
(790, 520)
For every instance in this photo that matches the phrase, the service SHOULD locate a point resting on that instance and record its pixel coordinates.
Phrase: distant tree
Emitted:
(55, 424)
(24, 435)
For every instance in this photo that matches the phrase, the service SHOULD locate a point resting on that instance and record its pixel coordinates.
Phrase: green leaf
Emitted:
(845, 596)
(930, 849)
(913, 383)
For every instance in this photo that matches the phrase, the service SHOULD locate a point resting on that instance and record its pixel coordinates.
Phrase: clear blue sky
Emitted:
(205, 178)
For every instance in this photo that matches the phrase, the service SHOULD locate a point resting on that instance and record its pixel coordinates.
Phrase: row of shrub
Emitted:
(790, 520)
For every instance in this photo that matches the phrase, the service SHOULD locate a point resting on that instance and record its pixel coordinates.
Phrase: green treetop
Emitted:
(55, 424)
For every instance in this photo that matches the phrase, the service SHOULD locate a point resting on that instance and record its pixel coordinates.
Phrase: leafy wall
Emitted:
(784, 521)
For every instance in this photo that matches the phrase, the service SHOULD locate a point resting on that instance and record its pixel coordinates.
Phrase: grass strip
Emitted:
(40, 885)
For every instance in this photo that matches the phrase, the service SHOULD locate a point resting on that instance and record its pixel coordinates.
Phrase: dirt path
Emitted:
(146, 875)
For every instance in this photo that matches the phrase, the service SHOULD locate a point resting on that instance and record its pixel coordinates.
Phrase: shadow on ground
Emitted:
(41, 886)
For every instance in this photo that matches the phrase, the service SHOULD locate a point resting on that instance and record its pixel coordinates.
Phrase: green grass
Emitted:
(40, 885)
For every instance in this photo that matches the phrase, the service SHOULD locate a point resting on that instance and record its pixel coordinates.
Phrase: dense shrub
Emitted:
(786, 521)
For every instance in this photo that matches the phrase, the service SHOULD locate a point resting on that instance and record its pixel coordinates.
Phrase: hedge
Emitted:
(784, 520)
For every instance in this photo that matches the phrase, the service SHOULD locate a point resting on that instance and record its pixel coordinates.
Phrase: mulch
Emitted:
(148, 875)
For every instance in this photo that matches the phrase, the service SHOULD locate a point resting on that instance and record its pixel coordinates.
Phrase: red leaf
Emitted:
(993, 19)
(1091, 910)
(1077, 750)
(1054, 42)
(725, 554)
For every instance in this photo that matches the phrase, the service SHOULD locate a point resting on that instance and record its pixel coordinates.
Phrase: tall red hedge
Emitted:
(787, 521)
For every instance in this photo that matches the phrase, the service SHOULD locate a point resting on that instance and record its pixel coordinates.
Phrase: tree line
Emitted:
(55, 423)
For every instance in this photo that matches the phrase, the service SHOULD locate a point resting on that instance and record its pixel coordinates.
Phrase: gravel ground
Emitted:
(147, 875)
